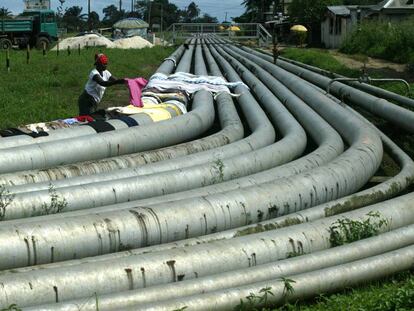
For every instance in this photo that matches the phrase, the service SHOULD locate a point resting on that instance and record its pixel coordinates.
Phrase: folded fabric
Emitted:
(179, 105)
(70, 121)
(37, 127)
(156, 112)
(85, 118)
(163, 97)
(135, 89)
(191, 83)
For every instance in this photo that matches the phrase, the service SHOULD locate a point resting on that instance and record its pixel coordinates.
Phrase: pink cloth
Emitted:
(135, 90)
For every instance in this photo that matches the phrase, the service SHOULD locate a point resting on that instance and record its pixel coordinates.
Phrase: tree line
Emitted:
(76, 18)
(302, 11)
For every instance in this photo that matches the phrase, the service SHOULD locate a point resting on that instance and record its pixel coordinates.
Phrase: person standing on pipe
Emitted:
(99, 80)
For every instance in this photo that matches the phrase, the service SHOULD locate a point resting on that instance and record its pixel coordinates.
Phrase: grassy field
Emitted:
(48, 87)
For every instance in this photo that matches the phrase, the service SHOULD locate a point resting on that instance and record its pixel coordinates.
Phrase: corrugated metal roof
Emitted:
(395, 4)
(339, 10)
(131, 23)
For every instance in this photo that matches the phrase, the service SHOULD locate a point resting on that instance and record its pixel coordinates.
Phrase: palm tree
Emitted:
(74, 19)
(5, 13)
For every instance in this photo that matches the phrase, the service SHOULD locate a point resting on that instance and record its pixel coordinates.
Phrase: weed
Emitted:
(219, 168)
(266, 292)
(253, 300)
(57, 204)
(346, 230)
(288, 287)
(5, 200)
(181, 309)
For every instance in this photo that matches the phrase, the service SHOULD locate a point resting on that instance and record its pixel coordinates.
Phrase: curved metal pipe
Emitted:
(373, 246)
(371, 89)
(306, 285)
(284, 195)
(193, 261)
(130, 225)
(377, 106)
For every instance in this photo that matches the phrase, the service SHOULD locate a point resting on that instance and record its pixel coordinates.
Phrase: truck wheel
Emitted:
(5, 44)
(42, 40)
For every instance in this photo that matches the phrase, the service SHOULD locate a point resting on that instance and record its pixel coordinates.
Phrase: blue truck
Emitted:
(37, 28)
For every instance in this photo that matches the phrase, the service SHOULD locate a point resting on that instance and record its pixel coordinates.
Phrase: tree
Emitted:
(310, 12)
(112, 15)
(74, 19)
(206, 18)
(169, 12)
(5, 13)
(93, 20)
(191, 13)
(254, 10)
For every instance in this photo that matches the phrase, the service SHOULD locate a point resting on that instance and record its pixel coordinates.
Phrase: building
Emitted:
(130, 27)
(37, 4)
(341, 20)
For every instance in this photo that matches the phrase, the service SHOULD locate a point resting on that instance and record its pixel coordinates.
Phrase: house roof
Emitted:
(394, 4)
(340, 10)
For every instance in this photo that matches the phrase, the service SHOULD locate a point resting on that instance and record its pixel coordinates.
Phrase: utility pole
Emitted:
(149, 13)
(261, 12)
(89, 16)
(274, 37)
(120, 5)
(225, 20)
(162, 16)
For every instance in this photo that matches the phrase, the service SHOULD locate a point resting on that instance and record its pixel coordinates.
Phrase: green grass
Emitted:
(393, 294)
(319, 58)
(48, 87)
(381, 39)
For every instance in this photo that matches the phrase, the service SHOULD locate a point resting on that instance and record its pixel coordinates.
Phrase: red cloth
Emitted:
(101, 59)
(135, 90)
(84, 118)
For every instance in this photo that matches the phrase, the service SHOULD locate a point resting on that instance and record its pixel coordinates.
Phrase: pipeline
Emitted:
(399, 116)
(371, 89)
(223, 228)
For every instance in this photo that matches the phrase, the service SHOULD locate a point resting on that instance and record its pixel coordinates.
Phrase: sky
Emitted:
(217, 8)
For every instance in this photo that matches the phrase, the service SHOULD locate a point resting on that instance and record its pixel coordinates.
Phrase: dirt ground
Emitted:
(373, 65)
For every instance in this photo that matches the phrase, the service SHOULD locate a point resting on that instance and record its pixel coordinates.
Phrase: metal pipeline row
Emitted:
(223, 226)
(399, 116)
(371, 89)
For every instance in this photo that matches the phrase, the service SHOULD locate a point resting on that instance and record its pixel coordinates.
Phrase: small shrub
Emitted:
(346, 230)
(5, 200)
(380, 39)
(56, 205)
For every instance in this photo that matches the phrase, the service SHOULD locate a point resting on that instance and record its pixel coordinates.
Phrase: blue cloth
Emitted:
(128, 121)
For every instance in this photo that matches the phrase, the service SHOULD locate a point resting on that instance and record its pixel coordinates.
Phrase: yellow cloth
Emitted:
(157, 112)
(150, 105)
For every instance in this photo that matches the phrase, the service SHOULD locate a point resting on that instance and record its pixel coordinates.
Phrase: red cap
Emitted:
(101, 59)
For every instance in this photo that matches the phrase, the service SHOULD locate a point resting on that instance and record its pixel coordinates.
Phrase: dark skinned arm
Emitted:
(112, 81)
